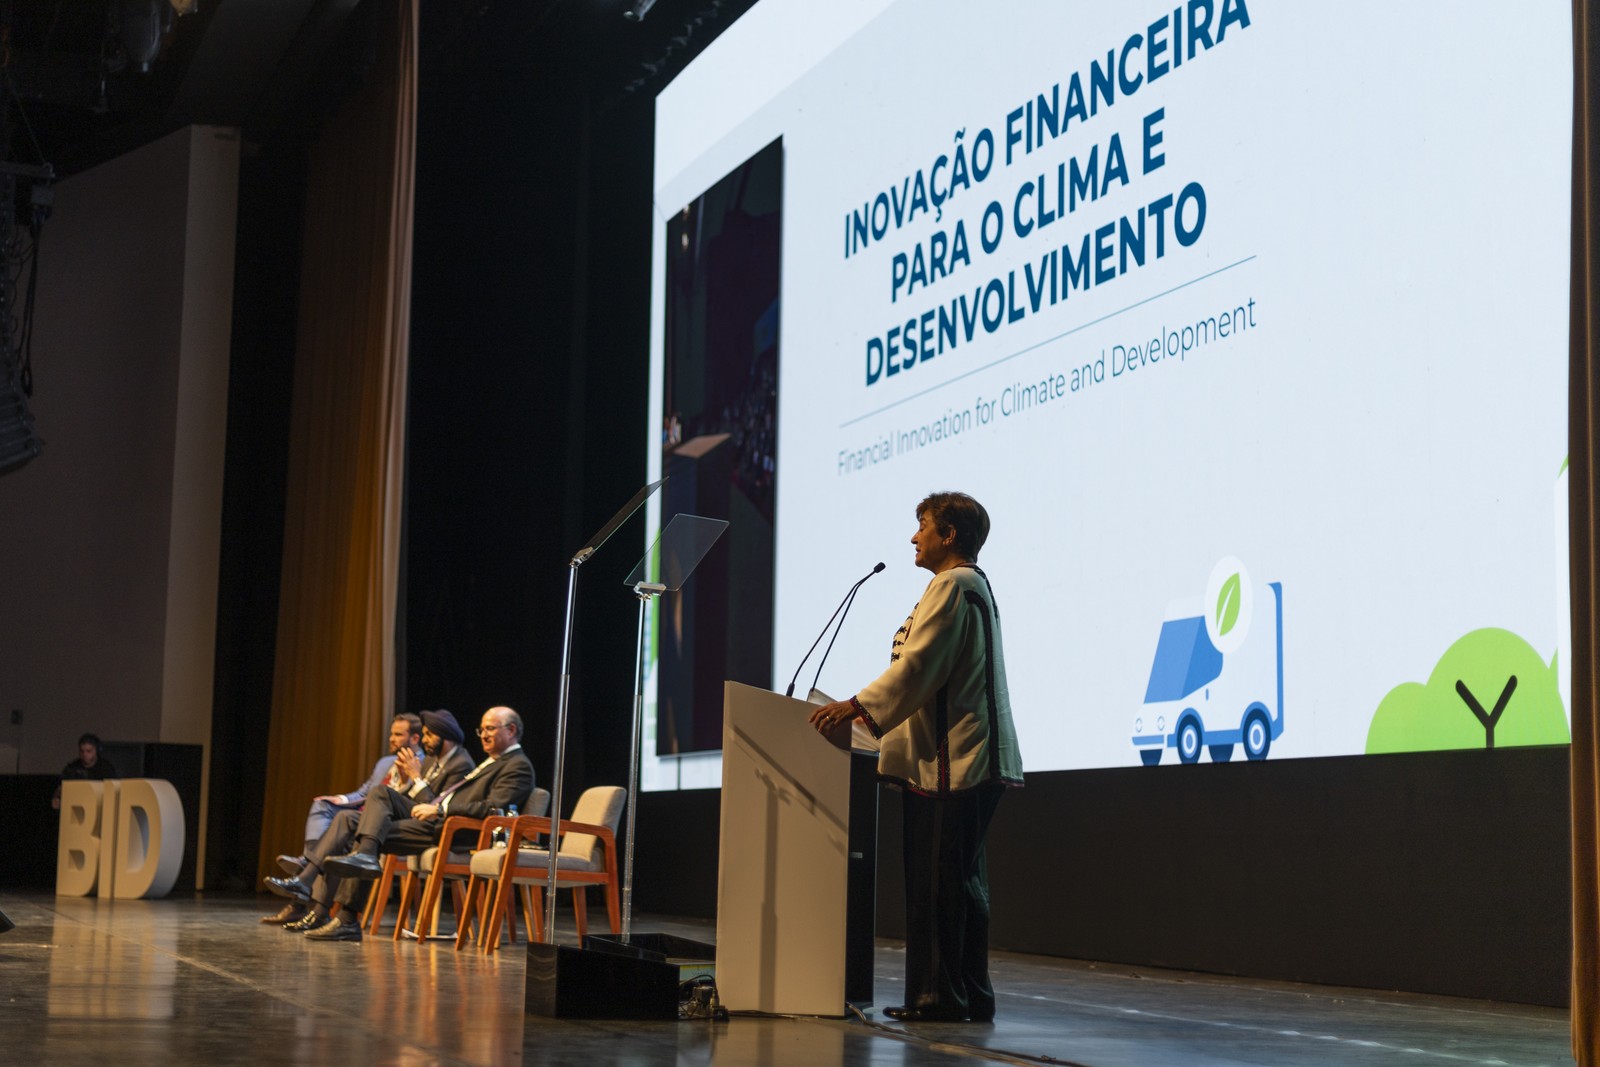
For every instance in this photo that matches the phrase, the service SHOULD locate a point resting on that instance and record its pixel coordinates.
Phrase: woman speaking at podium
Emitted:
(943, 720)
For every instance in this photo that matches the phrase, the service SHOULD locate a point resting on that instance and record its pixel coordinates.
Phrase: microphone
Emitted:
(838, 629)
(848, 597)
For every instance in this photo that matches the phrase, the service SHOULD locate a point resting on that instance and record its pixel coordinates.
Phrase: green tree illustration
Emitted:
(1490, 689)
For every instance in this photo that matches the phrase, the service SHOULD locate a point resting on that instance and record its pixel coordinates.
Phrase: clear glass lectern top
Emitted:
(677, 551)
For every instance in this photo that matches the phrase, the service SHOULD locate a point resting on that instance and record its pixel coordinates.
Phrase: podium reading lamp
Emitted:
(579, 559)
(664, 568)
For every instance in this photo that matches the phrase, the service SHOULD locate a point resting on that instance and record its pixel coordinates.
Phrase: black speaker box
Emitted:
(580, 983)
(610, 978)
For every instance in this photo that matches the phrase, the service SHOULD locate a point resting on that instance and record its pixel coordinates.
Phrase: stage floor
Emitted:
(199, 980)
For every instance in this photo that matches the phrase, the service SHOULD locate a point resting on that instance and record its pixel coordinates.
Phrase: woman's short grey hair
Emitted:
(961, 513)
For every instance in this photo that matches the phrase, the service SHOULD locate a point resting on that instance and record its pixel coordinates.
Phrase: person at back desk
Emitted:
(89, 766)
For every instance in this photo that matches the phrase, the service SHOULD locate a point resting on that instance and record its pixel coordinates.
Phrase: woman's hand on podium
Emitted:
(830, 717)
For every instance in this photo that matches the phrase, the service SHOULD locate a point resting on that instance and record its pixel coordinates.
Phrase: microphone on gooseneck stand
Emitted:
(850, 600)
(789, 692)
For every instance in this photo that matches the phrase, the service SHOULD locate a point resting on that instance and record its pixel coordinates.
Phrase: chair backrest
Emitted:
(599, 805)
(538, 803)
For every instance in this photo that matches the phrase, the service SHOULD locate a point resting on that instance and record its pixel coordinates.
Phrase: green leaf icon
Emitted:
(1228, 605)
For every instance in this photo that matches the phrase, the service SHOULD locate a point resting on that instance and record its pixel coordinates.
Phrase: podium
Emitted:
(796, 890)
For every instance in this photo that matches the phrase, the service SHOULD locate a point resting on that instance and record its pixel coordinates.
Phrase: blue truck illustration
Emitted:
(1196, 702)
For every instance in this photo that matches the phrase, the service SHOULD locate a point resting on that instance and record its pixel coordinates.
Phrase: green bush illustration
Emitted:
(1489, 690)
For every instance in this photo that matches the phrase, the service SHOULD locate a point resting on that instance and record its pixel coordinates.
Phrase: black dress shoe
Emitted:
(907, 1013)
(335, 930)
(292, 865)
(292, 888)
(307, 922)
(291, 912)
(355, 865)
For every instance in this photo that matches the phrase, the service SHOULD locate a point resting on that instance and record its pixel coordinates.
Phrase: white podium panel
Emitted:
(785, 854)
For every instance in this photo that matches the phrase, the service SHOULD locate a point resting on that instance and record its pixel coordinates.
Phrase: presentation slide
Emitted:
(1246, 321)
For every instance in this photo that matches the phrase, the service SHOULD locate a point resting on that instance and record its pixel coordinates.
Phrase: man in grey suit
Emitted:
(404, 736)
(388, 824)
(413, 783)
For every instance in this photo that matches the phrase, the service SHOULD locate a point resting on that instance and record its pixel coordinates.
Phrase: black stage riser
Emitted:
(1432, 872)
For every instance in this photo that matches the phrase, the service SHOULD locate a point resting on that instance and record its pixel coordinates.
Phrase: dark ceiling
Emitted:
(87, 80)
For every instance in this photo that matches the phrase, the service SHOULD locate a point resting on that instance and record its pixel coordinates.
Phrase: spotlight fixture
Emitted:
(142, 27)
(639, 10)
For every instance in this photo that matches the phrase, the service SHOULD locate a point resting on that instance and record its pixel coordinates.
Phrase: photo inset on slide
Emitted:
(719, 438)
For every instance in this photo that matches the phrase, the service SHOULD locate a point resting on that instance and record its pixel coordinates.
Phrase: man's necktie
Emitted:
(479, 769)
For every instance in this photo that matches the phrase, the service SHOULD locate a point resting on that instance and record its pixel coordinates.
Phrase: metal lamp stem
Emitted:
(561, 752)
(645, 592)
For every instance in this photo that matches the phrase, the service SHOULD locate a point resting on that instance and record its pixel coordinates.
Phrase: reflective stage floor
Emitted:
(199, 980)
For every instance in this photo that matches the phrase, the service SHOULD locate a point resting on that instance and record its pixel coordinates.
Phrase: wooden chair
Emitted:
(427, 871)
(378, 899)
(586, 855)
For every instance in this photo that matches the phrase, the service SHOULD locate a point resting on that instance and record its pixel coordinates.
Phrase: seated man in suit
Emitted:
(404, 736)
(390, 825)
(412, 783)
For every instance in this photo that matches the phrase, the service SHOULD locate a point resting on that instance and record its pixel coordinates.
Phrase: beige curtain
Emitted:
(333, 681)
(1583, 425)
